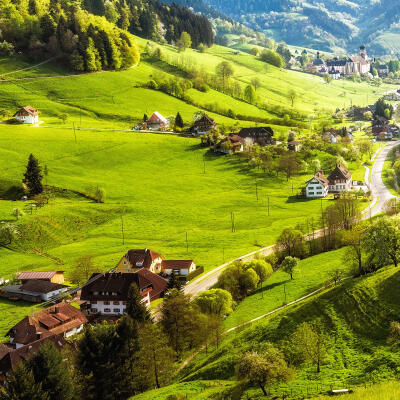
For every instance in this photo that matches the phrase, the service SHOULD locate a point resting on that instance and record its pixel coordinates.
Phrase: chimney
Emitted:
(56, 310)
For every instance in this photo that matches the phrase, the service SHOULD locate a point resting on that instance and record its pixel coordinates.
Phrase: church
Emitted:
(358, 64)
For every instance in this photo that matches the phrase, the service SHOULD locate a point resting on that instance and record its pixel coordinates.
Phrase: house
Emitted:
(178, 267)
(317, 186)
(10, 357)
(294, 145)
(330, 136)
(27, 115)
(320, 186)
(34, 291)
(383, 70)
(134, 260)
(107, 294)
(334, 74)
(157, 122)
(61, 319)
(203, 125)
(262, 135)
(50, 276)
(379, 122)
(339, 179)
(230, 144)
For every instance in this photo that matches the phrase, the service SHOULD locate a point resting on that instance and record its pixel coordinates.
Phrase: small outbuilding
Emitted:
(50, 276)
(157, 122)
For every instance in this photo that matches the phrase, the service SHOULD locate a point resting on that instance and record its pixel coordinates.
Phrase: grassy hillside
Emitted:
(311, 275)
(118, 100)
(355, 319)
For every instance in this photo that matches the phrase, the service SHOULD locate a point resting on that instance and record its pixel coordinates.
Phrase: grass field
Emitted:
(312, 273)
(199, 390)
(384, 391)
(355, 319)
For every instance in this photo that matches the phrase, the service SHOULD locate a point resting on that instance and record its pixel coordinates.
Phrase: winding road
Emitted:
(380, 194)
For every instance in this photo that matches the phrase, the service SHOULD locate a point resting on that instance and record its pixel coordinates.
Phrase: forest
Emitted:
(94, 36)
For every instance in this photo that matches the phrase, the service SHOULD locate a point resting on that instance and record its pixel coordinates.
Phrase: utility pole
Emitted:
(268, 204)
(80, 116)
(223, 255)
(187, 244)
(256, 190)
(122, 229)
(292, 188)
(74, 130)
(233, 221)
(204, 163)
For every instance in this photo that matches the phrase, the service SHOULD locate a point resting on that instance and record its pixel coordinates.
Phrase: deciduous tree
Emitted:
(215, 301)
(289, 265)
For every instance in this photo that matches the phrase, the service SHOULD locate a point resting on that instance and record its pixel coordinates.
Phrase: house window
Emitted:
(319, 192)
(94, 310)
(124, 303)
(116, 303)
(106, 303)
(93, 302)
(312, 193)
(107, 310)
(117, 310)
(125, 262)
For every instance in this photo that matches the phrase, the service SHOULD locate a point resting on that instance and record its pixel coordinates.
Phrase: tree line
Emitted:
(154, 20)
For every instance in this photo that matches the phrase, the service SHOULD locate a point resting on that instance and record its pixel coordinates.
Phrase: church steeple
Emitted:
(363, 52)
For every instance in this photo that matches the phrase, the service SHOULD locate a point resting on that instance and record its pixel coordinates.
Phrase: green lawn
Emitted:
(312, 273)
(197, 390)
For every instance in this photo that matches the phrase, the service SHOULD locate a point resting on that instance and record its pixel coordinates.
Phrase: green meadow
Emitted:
(279, 289)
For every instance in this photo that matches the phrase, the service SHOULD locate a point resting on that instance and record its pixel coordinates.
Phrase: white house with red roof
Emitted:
(317, 186)
(157, 122)
(27, 115)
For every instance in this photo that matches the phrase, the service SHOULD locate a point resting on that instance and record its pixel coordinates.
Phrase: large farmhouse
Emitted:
(27, 115)
(262, 135)
(339, 180)
(136, 260)
(107, 294)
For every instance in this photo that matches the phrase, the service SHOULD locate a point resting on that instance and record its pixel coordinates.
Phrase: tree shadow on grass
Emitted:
(270, 286)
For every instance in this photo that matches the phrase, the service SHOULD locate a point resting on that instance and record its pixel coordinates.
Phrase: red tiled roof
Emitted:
(10, 358)
(38, 275)
(158, 283)
(143, 257)
(177, 264)
(40, 286)
(27, 110)
(45, 321)
(340, 172)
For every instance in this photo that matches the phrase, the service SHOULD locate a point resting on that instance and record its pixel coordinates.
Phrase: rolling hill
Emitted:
(329, 25)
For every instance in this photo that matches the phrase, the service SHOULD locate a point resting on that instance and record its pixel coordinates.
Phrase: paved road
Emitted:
(380, 194)
(378, 189)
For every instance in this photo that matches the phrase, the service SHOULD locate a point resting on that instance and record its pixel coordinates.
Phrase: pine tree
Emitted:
(135, 308)
(22, 386)
(145, 118)
(33, 176)
(32, 7)
(174, 282)
(178, 120)
(52, 373)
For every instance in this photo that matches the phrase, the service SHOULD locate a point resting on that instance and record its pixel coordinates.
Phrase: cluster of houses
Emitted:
(103, 296)
(339, 180)
(357, 64)
(382, 130)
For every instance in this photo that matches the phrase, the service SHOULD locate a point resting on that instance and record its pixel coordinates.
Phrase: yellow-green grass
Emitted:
(383, 391)
(385, 175)
(197, 390)
(279, 289)
(158, 183)
(355, 318)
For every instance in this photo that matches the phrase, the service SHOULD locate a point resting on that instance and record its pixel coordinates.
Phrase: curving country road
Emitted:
(380, 194)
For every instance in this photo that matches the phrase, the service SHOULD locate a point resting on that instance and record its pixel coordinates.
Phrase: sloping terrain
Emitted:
(329, 25)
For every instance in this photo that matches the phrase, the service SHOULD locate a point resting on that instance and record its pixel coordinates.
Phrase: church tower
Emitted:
(363, 52)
